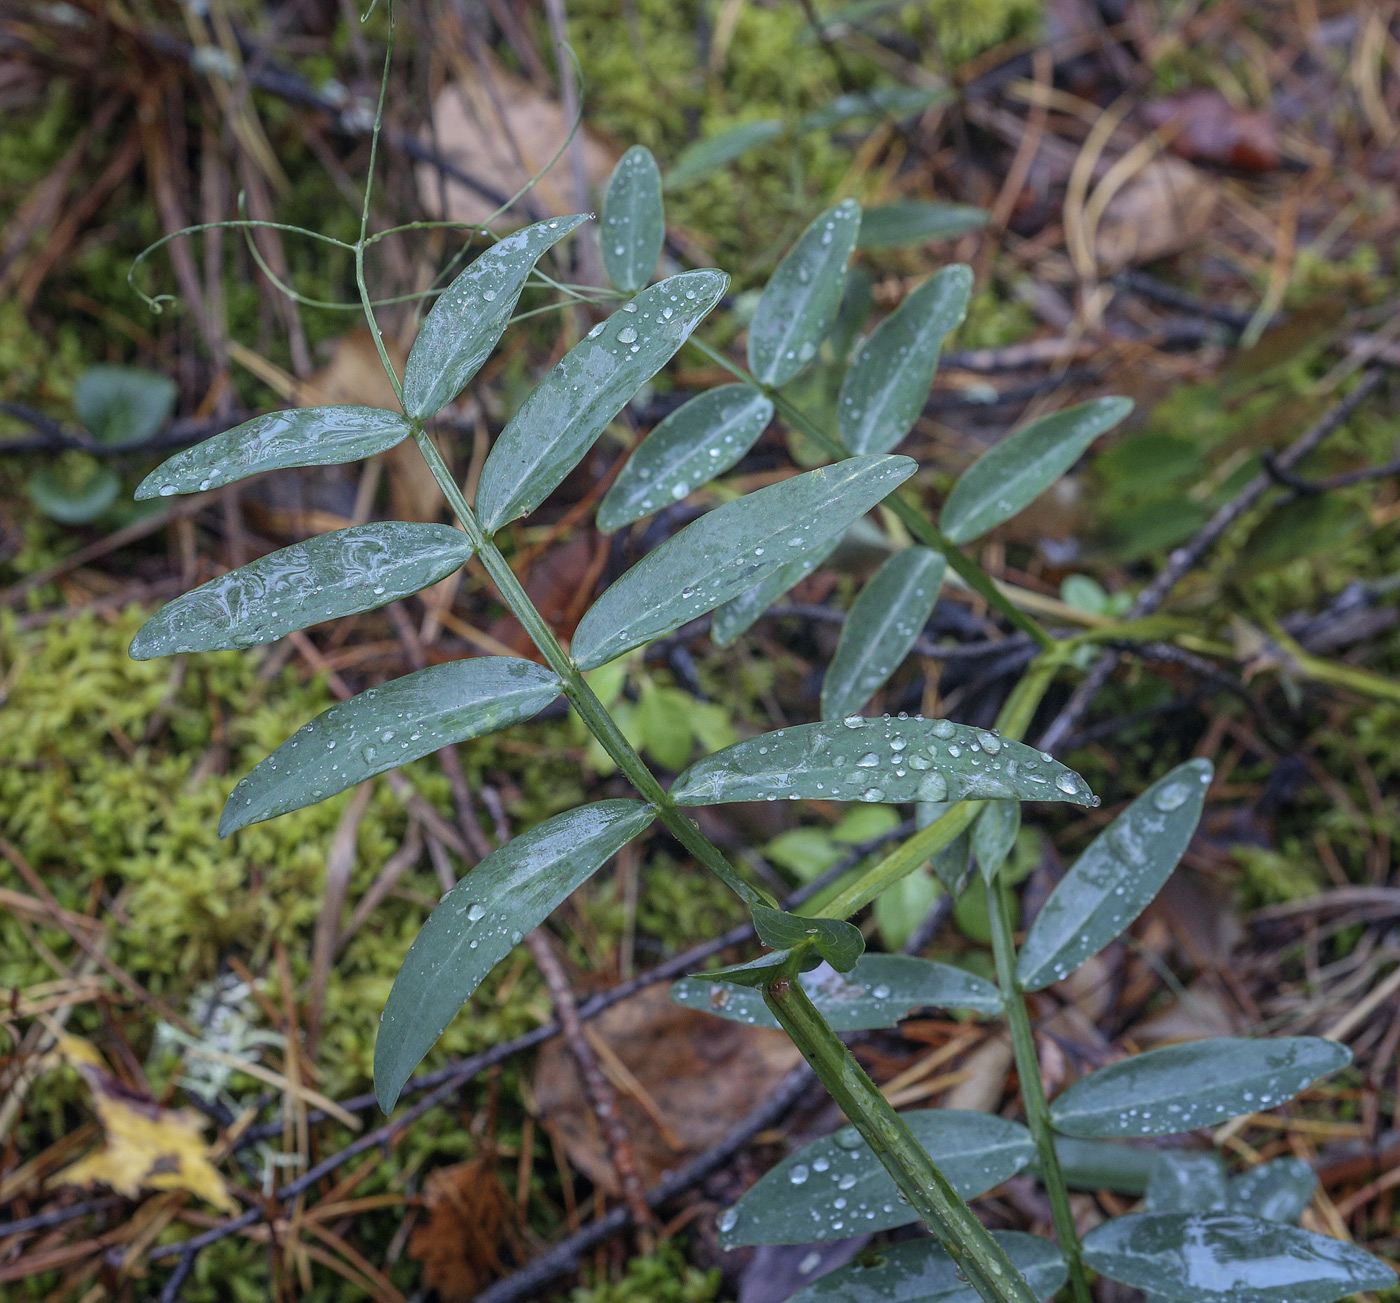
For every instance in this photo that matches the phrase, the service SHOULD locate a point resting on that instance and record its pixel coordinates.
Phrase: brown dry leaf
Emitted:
(1209, 129)
(354, 375)
(1165, 208)
(498, 128)
(700, 1074)
(985, 1083)
(148, 1147)
(459, 1242)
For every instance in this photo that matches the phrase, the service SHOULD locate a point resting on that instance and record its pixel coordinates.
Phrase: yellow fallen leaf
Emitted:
(148, 1147)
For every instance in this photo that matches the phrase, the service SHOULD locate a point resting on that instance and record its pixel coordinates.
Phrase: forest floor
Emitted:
(1192, 204)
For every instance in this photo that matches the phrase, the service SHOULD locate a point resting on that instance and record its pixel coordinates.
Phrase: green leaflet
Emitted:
(1115, 878)
(1230, 1258)
(300, 436)
(920, 1271)
(882, 101)
(887, 383)
(558, 423)
(1187, 1181)
(705, 156)
(889, 760)
(1008, 477)
(123, 404)
(340, 573)
(479, 922)
(758, 973)
(884, 623)
(800, 301)
(730, 549)
(837, 942)
(1277, 1191)
(738, 615)
(69, 503)
(699, 440)
(387, 726)
(1198, 1084)
(837, 1185)
(952, 866)
(471, 315)
(880, 991)
(634, 220)
(994, 834)
(1103, 1165)
(912, 221)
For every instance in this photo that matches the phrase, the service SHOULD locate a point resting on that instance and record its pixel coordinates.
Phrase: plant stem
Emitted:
(1032, 1088)
(979, 1257)
(913, 519)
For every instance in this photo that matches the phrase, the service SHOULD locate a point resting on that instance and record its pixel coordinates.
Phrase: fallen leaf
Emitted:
(148, 1147)
(697, 1075)
(459, 1242)
(1165, 208)
(497, 128)
(1206, 128)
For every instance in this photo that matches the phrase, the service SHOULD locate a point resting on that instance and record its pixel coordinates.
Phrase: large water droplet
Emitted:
(934, 788)
(1066, 784)
(728, 1219)
(1171, 797)
(869, 760)
(627, 335)
(476, 913)
(799, 1174)
(942, 728)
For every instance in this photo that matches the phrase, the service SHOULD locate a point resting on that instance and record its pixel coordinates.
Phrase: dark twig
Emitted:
(1300, 485)
(56, 1217)
(1185, 558)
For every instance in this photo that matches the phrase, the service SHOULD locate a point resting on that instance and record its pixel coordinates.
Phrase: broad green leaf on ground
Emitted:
(300, 436)
(882, 101)
(994, 834)
(1186, 1181)
(837, 1185)
(883, 624)
(1008, 477)
(705, 156)
(920, 1271)
(1277, 1191)
(471, 315)
(699, 440)
(1230, 1258)
(889, 760)
(880, 991)
(558, 423)
(335, 574)
(123, 404)
(839, 943)
(887, 383)
(1198, 1084)
(1115, 878)
(913, 221)
(483, 918)
(634, 220)
(729, 550)
(800, 301)
(73, 500)
(387, 726)
(738, 615)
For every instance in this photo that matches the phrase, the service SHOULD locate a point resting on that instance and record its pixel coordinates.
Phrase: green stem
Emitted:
(580, 695)
(979, 1257)
(908, 513)
(1032, 1089)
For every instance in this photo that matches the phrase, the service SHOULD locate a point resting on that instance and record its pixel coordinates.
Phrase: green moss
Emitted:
(661, 1277)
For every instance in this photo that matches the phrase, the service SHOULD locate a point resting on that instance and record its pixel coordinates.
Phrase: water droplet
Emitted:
(626, 335)
(881, 992)
(1171, 797)
(943, 728)
(489, 296)
(991, 743)
(853, 721)
(799, 1174)
(820, 1164)
(868, 761)
(847, 1181)
(1066, 784)
(476, 913)
(872, 794)
(166, 490)
(933, 788)
(848, 1138)
(678, 491)
(728, 1219)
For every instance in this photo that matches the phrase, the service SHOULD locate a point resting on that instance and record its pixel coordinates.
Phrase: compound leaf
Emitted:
(1198, 1084)
(880, 991)
(800, 301)
(739, 613)
(471, 315)
(837, 1184)
(1008, 477)
(634, 220)
(340, 573)
(300, 436)
(387, 726)
(479, 922)
(920, 1271)
(699, 440)
(557, 424)
(1115, 878)
(888, 760)
(730, 549)
(887, 383)
(1230, 1258)
(883, 624)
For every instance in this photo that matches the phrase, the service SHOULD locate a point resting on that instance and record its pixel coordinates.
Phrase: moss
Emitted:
(661, 1277)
